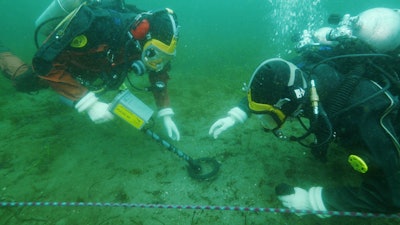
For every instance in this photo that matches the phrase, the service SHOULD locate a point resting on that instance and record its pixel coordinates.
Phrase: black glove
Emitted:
(28, 82)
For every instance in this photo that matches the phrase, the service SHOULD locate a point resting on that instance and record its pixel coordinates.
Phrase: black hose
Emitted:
(313, 128)
(350, 56)
(341, 98)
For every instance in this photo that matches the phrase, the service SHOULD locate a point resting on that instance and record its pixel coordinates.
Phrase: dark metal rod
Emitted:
(169, 146)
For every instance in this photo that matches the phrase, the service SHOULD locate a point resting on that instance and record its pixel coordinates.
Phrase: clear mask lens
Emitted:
(267, 121)
(155, 59)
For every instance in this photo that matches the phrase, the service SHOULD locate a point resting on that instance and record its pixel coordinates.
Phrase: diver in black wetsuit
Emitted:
(346, 83)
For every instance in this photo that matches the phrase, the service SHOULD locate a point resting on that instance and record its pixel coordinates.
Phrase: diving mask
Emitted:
(156, 54)
(158, 31)
(267, 121)
(270, 116)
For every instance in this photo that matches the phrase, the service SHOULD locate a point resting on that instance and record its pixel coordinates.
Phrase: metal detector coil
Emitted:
(131, 109)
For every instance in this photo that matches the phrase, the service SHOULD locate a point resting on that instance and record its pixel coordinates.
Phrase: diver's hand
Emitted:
(293, 197)
(170, 126)
(221, 125)
(300, 199)
(97, 111)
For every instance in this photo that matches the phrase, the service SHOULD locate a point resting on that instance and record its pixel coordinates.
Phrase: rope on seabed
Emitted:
(199, 207)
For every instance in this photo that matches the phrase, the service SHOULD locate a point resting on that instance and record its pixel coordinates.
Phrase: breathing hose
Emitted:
(339, 100)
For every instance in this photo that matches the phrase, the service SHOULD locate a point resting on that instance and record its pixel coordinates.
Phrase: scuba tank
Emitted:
(377, 27)
(59, 9)
(54, 13)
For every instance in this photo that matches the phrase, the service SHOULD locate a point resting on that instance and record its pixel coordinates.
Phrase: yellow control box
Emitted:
(131, 109)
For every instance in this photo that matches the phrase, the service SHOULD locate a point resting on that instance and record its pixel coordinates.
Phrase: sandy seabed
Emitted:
(50, 153)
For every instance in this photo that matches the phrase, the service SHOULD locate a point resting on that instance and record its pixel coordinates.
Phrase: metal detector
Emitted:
(131, 109)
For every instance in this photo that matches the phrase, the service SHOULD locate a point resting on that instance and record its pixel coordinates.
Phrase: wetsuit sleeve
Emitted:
(161, 96)
(63, 83)
(373, 124)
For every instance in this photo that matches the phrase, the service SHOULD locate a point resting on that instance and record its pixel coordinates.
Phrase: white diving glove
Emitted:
(97, 111)
(300, 199)
(234, 115)
(170, 126)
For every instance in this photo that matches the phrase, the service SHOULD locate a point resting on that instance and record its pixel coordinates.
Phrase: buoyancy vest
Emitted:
(102, 29)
